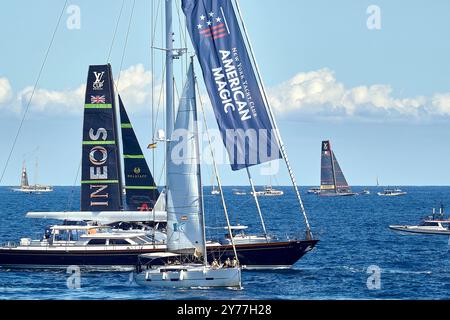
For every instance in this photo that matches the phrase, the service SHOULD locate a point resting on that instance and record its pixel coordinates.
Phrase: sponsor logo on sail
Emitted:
(99, 82)
(98, 157)
(137, 170)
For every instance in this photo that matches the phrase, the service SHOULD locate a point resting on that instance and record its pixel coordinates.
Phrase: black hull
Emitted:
(252, 256)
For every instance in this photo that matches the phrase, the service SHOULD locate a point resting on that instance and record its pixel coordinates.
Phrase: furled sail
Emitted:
(185, 226)
(232, 83)
(141, 190)
(101, 179)
(332, 177)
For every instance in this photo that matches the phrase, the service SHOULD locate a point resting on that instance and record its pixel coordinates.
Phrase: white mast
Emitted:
(169, 85)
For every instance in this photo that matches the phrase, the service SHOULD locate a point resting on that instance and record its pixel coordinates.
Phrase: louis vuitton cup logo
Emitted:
(99, 82)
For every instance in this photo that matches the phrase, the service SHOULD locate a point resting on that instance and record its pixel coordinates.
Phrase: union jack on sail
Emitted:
(98, 99)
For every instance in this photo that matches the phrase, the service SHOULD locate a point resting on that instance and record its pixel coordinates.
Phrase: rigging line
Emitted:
(182, 41)
(70, 199)
(125, 44)
(33, 92)
(161, 95)
(183, 35)
(115, 32)
(156, 22)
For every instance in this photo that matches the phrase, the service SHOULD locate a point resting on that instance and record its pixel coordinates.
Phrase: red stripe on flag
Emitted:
(212, 28)
(220, 36)
(217, 32)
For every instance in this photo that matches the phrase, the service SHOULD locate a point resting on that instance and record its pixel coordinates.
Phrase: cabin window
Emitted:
(61, 235)
(115, 242)
(138, 240)
(97, 242)
(431, 224)
(146, 239)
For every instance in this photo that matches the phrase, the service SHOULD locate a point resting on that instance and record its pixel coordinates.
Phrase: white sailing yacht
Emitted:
(185, 263)
(214, 191)
(25, 187)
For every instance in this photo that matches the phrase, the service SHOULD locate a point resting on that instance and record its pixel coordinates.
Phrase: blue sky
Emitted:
(381, 96)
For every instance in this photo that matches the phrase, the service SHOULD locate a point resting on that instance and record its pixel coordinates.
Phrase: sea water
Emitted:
(358, 257)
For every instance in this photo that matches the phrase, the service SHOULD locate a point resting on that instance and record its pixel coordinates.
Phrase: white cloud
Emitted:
(320, 94)
(441, 104)
(135, 87)
(311, 95)
(68, 102)
(5, 91)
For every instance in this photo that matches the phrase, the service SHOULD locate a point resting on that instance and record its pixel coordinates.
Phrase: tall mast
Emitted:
(169, 84)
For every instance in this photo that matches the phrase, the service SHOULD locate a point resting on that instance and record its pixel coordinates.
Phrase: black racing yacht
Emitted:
(332, 181)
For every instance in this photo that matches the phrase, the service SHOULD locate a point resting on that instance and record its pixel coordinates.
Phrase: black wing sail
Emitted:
(341, 182)
(101, 179)
(327, 180)
(141, 190)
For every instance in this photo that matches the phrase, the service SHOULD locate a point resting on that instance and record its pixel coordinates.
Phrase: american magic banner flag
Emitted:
(232, 85)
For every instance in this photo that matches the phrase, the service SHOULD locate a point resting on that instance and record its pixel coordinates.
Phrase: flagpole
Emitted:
(277, 133)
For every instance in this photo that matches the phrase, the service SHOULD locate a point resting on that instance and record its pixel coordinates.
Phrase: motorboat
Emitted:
(433, 224)
(426, 227)
(315, 190)
(392, 193)
(269, 191)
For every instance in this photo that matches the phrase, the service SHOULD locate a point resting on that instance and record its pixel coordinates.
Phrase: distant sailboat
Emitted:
(333, 182)
(214, 191)
(25, 187)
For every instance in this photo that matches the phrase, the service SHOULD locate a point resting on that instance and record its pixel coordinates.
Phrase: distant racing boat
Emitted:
(333, 182)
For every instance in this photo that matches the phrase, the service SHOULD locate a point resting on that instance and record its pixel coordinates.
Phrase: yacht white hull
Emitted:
(33, 190)
(190, 277)
(271, 194)
(421, 230)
